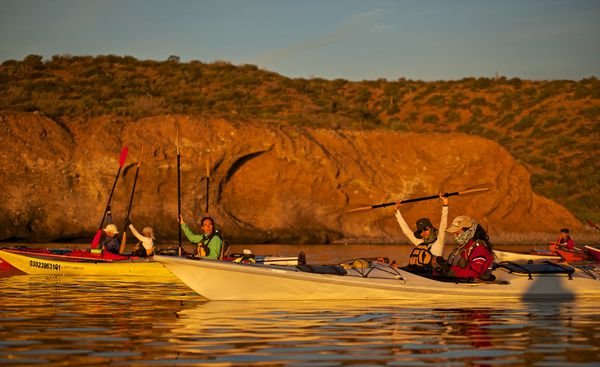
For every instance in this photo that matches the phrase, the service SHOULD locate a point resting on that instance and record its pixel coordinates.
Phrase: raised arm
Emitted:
(437, 248)
(405, 228)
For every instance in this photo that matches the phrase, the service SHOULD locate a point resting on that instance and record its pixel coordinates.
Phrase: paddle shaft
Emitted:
(383, 205)
(137, 171)
(593, 225)
(180, 247)
(109, 199)
(463, 192)
(207, 185)
(96, 239)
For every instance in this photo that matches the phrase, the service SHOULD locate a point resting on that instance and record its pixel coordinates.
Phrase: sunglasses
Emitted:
(425, 229)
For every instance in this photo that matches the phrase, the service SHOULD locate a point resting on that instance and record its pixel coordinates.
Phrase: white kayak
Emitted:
(503, 255)
(218, 280)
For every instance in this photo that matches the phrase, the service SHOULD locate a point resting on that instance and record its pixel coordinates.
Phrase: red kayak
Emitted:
(570, 256)
(73, 254)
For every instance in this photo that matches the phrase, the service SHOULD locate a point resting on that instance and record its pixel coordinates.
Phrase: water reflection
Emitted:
(61, 321)
(385, 332)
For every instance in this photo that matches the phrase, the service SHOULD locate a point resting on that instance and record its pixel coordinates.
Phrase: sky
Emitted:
(350, 39)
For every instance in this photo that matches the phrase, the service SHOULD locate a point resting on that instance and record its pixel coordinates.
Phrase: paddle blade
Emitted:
(96, 239)
(140, 160)
(361, 209)
(122, 247)
(124, 152)
(476, 189)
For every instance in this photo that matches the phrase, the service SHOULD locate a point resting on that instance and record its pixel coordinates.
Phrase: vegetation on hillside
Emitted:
(552, 127)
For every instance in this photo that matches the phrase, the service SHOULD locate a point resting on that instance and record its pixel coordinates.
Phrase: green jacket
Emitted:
(214, 245)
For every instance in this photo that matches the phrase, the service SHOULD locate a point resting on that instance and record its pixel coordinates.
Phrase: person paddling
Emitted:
(428, 240)
(564, 239)
(209, 244)
(145, 246)
(109, 241)
(474, 257)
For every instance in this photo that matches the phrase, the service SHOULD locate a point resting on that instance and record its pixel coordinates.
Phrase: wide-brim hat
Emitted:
(421, 225)
(111, 228)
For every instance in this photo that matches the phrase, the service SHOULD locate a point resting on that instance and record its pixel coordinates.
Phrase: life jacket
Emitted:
(203, 249)
(140, 251)
(456, 258)
(420, 255)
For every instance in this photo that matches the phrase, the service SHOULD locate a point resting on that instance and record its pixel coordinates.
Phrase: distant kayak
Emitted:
(570, 256)
(78, 262)
(593, 252)
(532, 255)
(84, 262)
(555, 253)
(218, 280)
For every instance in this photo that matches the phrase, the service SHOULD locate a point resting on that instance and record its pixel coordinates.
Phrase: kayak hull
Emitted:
(593, 252)
(40, 264)
(217, 280)
(503, 255)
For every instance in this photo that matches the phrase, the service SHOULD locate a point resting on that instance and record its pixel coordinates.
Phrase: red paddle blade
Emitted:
(96, 239)
(124, 152)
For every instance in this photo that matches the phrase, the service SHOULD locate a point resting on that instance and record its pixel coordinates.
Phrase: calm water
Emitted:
(125, 321)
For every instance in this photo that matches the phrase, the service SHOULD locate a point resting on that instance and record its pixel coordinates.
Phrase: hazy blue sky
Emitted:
(351, 39)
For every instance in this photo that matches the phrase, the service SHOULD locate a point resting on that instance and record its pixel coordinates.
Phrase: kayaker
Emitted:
(145, 246)
(110, 242)
(428, 240)
(208, 243)
(473, 258)
(564, 239)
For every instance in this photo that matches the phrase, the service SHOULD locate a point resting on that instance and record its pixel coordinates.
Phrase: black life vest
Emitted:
(202, 249)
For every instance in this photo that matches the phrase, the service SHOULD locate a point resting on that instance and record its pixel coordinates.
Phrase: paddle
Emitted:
(593, 225)
(180, 247)
(137, 170)
(207, 186)
(96, 239)
(472, 190)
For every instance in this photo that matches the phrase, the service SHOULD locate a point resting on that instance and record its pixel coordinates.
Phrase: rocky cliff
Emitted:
(267, 184)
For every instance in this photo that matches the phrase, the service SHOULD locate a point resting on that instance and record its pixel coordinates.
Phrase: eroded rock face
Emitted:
(267, 184)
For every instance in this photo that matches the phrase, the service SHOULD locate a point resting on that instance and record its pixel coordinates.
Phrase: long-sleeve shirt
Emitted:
(568, 243)
(214, 244)
(147, 242)
(437, 247)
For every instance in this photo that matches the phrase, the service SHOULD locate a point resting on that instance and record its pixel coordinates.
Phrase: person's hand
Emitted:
(444, 199)
(438, 263)
(398, 204)
(181, 220)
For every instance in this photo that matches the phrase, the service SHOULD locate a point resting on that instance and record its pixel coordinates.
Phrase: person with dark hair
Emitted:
(209, 244)
(428, 241)
(474, 257)
(564, 239)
